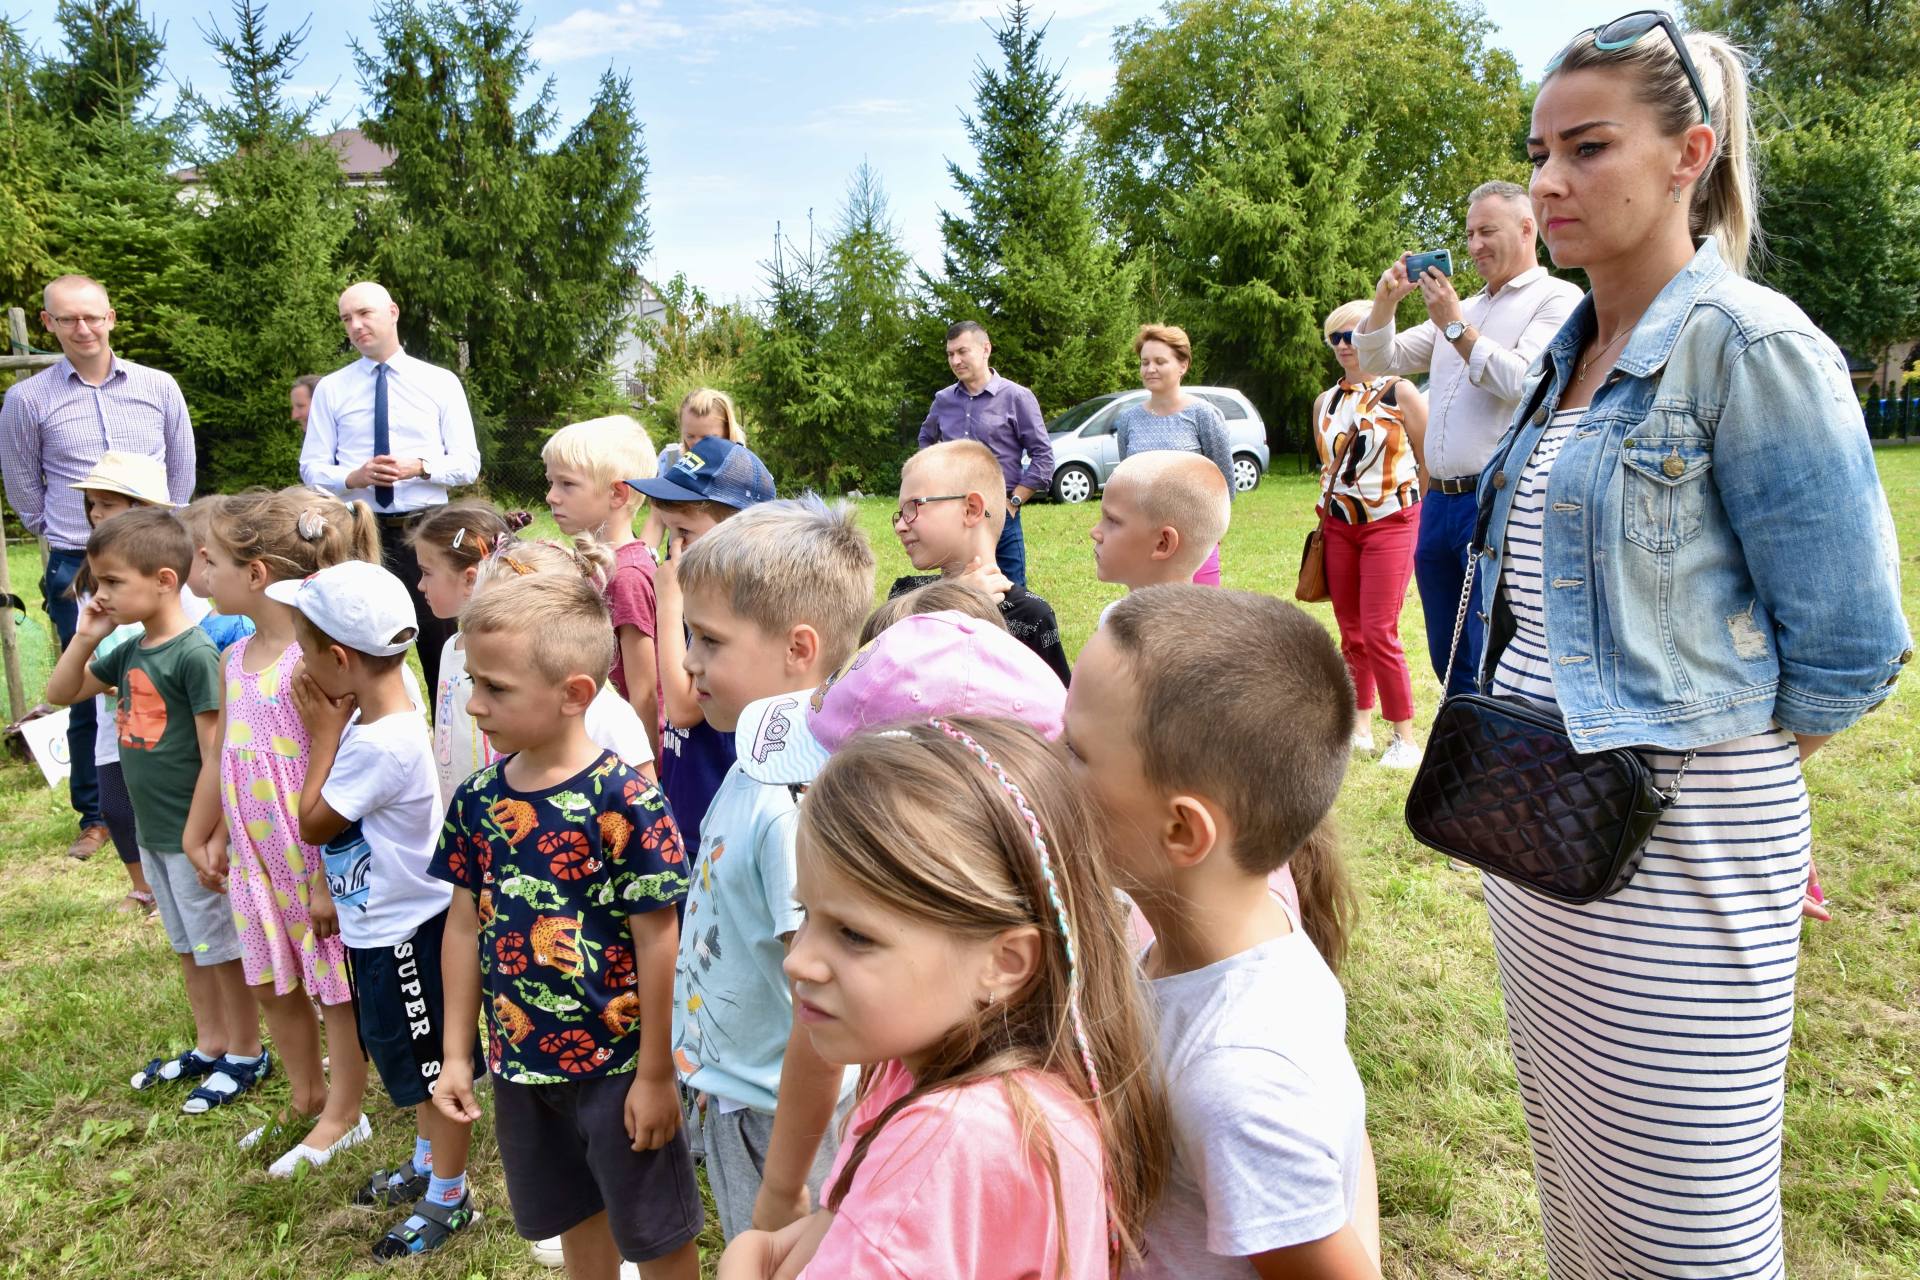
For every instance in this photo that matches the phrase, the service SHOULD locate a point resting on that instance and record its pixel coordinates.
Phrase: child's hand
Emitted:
(453, 1093)
(322, 715)
(210, 866)
(653, 1112)
(94, 622)
(774, 1209)
(774, 1255)
(987, 577)
(321, 909)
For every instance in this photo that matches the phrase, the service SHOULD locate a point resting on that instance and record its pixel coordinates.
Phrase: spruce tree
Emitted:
(511, 262)
(275, 214)
(1027, 256)
(29, 146)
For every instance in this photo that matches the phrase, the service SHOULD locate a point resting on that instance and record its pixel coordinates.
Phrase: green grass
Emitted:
(93, 1177)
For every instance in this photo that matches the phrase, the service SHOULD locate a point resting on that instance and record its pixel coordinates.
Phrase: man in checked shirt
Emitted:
(53, 428)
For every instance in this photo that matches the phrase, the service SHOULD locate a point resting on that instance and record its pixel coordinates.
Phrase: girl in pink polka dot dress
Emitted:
(289, 929)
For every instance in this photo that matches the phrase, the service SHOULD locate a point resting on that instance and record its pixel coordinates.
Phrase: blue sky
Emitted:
(758, 111)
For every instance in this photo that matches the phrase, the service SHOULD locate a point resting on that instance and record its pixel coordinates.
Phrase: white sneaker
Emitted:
(547, 1253)
(1401, 754)
(1363, 741)
(287, 1164)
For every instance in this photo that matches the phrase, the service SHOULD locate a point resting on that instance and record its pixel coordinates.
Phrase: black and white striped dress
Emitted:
(1650, 1030)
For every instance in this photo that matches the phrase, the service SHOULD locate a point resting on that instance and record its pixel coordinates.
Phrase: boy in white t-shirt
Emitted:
(1272, 1171)
(372, 799)
(1161, 515)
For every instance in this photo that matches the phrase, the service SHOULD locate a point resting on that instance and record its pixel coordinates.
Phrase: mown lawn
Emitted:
(98, 1182)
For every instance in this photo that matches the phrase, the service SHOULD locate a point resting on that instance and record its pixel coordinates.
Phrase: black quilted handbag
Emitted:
(1502, 787)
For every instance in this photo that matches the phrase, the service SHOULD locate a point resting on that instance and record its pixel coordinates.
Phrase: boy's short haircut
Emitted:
(1282, 701)
(949, 595)
(782, 564)
(377, 663)
(716, 511)
(605, 450)
(147, 540)
(565, 621)
(1182, 490)
(969, 467)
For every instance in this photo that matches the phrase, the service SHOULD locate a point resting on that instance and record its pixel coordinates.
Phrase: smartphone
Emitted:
(1417, 263)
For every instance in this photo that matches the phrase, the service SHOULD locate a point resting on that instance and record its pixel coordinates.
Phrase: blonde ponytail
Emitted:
(1726, 199)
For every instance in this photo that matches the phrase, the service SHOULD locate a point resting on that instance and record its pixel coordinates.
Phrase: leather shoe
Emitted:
(88, 843)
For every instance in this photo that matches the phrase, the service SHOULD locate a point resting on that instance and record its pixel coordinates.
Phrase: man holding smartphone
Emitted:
(1477, 352)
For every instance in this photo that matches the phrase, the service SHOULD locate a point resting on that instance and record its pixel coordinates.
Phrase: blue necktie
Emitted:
(382, 445)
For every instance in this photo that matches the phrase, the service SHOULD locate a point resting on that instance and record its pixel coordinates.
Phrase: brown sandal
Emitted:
(135, 902)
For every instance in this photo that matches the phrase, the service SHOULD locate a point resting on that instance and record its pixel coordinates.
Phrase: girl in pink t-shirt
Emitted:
(962, 943)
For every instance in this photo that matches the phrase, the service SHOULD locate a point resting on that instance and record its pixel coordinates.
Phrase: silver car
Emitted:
(1085, 451)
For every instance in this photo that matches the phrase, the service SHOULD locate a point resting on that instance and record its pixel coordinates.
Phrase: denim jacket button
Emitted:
(1628, 443)
(1499, 479)
(1673, 467)
(1906, 656)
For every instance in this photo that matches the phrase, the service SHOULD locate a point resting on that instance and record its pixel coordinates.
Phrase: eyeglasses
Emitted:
(1626, 31)
(68, 322)
(910, 508)
(1339, 336)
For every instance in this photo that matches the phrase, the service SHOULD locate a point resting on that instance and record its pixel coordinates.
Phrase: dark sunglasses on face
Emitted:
(1628, 30)
(1339, 336)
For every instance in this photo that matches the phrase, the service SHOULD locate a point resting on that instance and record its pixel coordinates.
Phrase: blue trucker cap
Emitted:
(714, 470)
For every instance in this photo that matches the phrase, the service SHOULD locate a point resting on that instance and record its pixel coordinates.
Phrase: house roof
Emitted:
(361, 159)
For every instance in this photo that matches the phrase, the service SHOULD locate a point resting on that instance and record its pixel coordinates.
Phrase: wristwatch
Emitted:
(1453, 331)
(1015, 501)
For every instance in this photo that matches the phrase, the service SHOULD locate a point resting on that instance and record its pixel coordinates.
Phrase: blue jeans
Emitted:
(1440, 567)
(83, 785)
(1012, 550)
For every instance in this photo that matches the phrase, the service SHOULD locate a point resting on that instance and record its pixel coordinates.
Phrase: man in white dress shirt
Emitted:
(1478, 352)
(396, 433)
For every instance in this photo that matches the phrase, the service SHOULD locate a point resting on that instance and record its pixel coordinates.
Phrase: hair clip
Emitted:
(311, 525)
(1045, 856)
(459, 536)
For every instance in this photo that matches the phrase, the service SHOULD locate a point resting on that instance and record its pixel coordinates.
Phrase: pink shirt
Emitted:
(951, 1188)
(630, 600)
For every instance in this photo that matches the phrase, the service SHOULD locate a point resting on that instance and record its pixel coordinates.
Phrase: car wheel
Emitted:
(1073, 483)
(1246, 473)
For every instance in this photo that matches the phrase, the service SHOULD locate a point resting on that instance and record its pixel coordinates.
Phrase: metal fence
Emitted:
(1892, 413)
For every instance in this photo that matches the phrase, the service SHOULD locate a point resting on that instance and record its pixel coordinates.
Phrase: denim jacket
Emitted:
(1718, 554)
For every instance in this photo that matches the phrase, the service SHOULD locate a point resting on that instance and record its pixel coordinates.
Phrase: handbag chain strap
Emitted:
(1460, 620)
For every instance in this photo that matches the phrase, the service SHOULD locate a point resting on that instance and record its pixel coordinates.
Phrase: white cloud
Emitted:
(594, 33)
(735, 16)
(993, 10)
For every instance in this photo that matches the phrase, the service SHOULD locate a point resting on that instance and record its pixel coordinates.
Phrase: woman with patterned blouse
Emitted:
(1370, 431)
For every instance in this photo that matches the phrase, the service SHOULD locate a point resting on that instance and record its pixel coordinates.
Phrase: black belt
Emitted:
(399, 519)
(1454, 486)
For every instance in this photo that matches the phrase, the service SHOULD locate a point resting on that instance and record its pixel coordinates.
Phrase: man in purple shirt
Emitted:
(1005, 417)
(53, 428)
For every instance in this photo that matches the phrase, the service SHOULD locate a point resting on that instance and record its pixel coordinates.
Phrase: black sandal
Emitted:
(440, 1222)
(383, 1192)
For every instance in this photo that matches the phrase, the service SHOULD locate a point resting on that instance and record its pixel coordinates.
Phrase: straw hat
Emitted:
(139, 477)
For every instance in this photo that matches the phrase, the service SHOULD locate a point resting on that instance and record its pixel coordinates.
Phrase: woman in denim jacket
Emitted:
(1693, 553)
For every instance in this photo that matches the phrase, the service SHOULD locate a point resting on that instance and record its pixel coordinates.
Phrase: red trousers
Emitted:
(1368, 568)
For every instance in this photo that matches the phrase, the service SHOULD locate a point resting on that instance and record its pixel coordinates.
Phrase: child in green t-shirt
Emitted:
(167, 707)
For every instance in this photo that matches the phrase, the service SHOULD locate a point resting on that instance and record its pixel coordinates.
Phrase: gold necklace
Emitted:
(1591, 360)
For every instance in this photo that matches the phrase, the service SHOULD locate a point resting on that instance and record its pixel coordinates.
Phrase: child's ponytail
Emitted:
(1328, 904)
(294, 532)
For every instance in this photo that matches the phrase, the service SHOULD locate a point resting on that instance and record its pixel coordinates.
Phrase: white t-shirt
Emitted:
(1269, 1115)
(383, 779)
(106, 731)
(461, 748)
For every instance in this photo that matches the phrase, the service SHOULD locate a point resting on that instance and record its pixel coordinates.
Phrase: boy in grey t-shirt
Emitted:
(1271, 1162)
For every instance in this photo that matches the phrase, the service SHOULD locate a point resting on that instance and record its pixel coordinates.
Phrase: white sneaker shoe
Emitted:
(547, 1253)
(1401, 754)
(1363, 741)
(287, 1164)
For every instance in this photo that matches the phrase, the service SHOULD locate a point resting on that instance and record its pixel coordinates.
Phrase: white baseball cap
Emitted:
(357, 604)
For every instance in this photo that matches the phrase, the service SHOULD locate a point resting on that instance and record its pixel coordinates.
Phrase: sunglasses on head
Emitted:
(1339, 336)
(1628, 30)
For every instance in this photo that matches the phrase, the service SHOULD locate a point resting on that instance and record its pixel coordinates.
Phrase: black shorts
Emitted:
(401, 1009)
(567, 1157)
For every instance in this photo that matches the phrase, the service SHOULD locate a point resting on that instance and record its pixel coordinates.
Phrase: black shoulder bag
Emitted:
(1502, 787)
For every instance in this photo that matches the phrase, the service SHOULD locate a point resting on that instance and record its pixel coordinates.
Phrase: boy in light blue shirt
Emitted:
(774, 602)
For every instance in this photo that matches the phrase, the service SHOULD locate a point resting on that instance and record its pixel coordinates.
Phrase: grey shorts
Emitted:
(198, 921)
(565, 1152)
(735, 1145)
